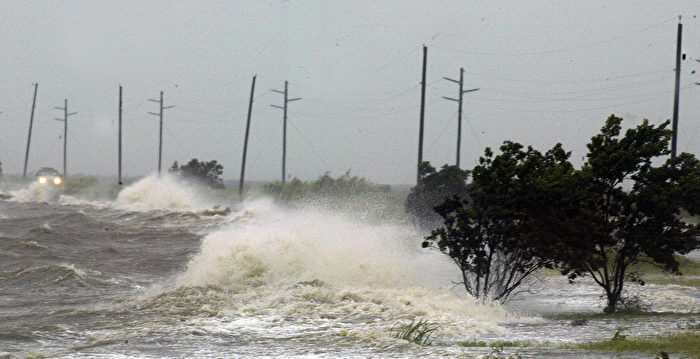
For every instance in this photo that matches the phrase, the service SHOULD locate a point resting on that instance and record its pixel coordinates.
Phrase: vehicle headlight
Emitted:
(42, 179)
(57, 180)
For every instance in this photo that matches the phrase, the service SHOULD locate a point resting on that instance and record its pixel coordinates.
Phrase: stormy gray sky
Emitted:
(548, 72)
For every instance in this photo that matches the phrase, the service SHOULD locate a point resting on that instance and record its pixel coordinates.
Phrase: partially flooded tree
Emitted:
(630, 205)
(490, 233)
(204, 173)
(434, 187)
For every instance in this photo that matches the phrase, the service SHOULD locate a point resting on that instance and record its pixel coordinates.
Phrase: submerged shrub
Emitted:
(417, 332)
(633, 304)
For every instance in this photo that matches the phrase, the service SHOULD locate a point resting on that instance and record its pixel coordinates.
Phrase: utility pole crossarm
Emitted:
(160, 128)
(65, 134)
(287, 100)
(449, 79)
(459, 109)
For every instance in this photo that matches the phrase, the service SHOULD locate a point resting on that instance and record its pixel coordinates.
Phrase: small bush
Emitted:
(633, 304)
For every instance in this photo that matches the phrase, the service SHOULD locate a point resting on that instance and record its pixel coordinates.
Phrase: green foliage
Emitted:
(618, 334)
(417, 332)
(687, 343)
(347, 193)
(434, 187)
(495, 233)
(204, 173)
(629, 207)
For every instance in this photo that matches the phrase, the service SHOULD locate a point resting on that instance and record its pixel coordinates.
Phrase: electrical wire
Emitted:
(604, 79)
(573, 48)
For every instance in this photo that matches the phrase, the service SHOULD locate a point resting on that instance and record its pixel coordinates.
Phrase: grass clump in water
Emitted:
(687, 343)
(418, 332)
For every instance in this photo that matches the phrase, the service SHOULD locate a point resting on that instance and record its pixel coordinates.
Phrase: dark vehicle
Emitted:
(48, 176)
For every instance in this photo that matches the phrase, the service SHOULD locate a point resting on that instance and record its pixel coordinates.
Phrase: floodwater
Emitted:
(149, 275)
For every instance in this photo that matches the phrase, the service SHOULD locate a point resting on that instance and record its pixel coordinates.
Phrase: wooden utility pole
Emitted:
(676, 95)
(284, 127)
(422, 115)
(160, 131)
(29, 136)
(459, 110)
(245, 142)
(120, 135)
(65, 133)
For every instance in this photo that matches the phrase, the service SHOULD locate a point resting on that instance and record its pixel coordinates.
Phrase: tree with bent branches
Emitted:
(630, 205)
(487, 233)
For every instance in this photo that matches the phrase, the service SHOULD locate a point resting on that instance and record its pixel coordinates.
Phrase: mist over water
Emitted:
(149, 275)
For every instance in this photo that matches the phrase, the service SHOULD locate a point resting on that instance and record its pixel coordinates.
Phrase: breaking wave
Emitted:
(316, 265)
(34, 192)
(162, 193)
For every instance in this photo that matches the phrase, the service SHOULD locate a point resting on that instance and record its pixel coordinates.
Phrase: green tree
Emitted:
(204, 173)
(629, 204)
(492, 233)
(434, 187)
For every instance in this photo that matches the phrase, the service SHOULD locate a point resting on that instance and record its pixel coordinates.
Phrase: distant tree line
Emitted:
(524, 210)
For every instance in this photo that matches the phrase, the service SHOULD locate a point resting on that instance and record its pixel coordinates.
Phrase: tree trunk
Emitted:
(613, 299)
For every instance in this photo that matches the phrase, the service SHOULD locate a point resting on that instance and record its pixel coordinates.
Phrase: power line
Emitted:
(603, 79)
(573, 48)
(573, 99)
(442, 132)
(576, 110)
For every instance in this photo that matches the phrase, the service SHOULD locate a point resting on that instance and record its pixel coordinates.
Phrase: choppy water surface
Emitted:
(148, 275)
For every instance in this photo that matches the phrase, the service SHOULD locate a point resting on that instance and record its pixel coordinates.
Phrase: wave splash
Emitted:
(316, 265)
(162, 193)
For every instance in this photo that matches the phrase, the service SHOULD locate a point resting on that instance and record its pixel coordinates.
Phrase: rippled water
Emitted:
(148, 275)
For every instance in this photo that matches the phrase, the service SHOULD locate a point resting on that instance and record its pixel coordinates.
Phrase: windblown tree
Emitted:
(629, 204)
(492, 233)
(434, 187)
(204, 173)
